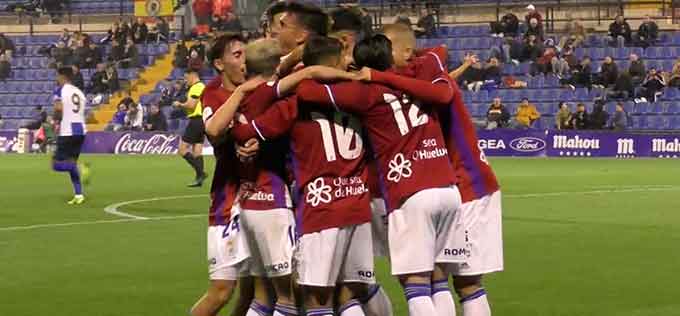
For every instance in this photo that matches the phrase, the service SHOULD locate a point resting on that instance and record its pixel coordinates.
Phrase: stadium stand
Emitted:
(31, 82)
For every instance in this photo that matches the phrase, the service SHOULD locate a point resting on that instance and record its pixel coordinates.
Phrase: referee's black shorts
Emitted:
(68, 147)
(195, 131)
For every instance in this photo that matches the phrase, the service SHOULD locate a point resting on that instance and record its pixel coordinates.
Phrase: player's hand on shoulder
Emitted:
(364, 74)
(250, 85)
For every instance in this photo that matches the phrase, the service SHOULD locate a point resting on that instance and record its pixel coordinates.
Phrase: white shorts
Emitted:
(419, 231)
(228, 250)
(270, 240)
(379, 228)
(481, 223)
(336, 255)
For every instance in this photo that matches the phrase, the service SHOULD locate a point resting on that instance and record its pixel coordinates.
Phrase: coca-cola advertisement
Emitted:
(140, 143)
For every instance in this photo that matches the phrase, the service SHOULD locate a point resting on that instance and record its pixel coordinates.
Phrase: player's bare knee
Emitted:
(416, 278)
(222, 290)
(284, 289)
(467, 285)
(318, 296)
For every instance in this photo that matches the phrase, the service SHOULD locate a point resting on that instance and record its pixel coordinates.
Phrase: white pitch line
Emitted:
(113, 208)
(550, 194)
(122, 220)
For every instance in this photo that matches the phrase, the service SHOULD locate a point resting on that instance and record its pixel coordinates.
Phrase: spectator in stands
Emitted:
(134, 118)
(526, 115)
(533, 14)
(181, 55)
(139, 31)
(159, 31)
(497, 116)
(127, 99)
(652, 87)
(39, 117)
(5, 67)
(81, 54)
(620, 120)
(202, 11)
(366, 22)
(426, 26)
(535, 29)
(156, 120)
(99, 81)
(117, 50)
(532, 50)
(402, 17)
(503, 52)
(231, 23)
(580, 119)
(125, 31)
(65, 37)
(623, 88)
(118, 120)
(199, 47)
(492, 72)
(130, 55)
(94, 56)
(473, 77)
(562, 63)
(195, 61)
(6, 46)
(77, 79)
(61, 54)
(55, 8)
(544, 64)
(674, 80)
(619, 32)
(563, 116)
(507, 26)
(112, 78)
(647, 33)
(599, 117)
(637, 69)
(581, 75)
(468, 60)
(575, 34)
(609, 71)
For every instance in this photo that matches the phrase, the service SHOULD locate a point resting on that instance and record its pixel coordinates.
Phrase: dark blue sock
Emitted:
(72, 169)
(477, 294)
(413, 290)
(261, 309)
(440, 286)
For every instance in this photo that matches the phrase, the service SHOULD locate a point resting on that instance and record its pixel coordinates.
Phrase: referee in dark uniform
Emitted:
(191, 144)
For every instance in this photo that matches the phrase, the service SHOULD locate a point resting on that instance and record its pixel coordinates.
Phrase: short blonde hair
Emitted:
(263, 57)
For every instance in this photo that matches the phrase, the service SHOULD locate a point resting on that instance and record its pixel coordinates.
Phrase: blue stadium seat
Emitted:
(672, 108)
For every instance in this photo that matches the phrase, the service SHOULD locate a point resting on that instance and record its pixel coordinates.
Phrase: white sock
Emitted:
(442, 298)
(377, 303)
(476, 304)
(351, 308)
(419, 300)
(320, 312)
(257, 309)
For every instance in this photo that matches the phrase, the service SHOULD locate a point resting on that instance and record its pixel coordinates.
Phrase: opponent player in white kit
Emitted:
(70, 102)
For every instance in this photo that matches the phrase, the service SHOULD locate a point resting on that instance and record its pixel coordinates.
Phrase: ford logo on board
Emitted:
(527, 144)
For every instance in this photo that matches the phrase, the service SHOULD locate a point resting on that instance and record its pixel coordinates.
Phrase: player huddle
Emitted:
(333, 148)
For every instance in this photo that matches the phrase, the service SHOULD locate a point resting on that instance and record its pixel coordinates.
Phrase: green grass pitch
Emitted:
(582, 237)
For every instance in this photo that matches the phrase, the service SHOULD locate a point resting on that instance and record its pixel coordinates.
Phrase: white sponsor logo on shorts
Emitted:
(399, 167)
